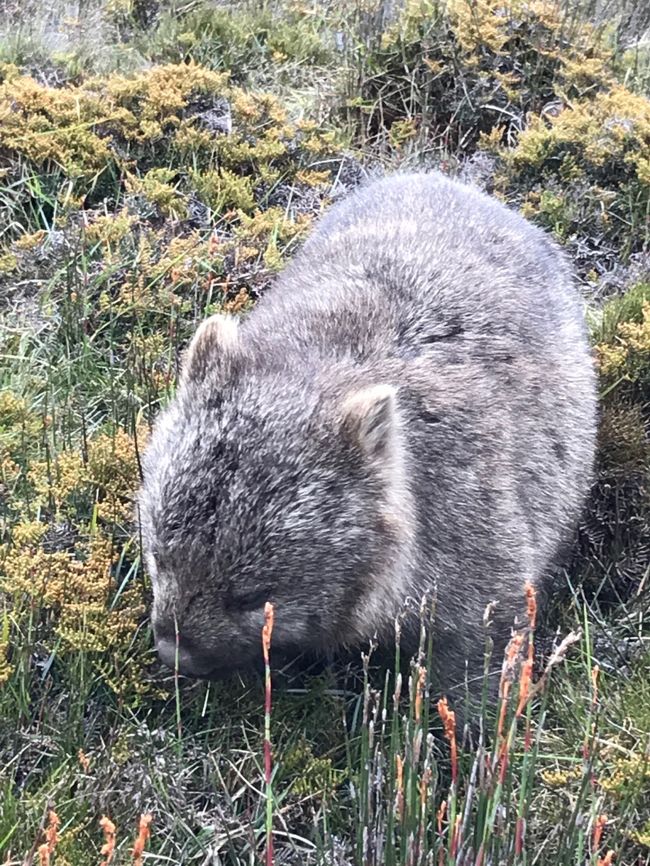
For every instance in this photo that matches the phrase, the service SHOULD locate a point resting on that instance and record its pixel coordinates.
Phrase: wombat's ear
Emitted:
(214, 338)
(370, 419)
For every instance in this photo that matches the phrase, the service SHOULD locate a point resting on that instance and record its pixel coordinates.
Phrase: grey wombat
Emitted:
(410, 408)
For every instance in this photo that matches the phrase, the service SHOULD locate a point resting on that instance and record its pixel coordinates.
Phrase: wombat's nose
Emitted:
(186, 660)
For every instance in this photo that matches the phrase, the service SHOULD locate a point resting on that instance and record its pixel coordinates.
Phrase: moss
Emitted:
(222, 190)
(157, 188)
(76, 588)
(256, 40)
(29, 241)
(8, 262)
(312, 776)
(108, 229)
(624, 351)
(6, 669)
(55, 127)
(69, 587)
(534, 88)
(627, 307)
(642, 836)
(20, 426)
(460, 70)
(611, 559)
(627, 776)
(610, 133)
(584, 169)
(137, 134)
(8, 71)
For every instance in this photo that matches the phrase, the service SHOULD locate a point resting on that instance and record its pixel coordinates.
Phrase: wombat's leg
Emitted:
(468, 660)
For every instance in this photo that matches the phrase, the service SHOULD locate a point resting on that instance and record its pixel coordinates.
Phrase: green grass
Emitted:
(116, 239)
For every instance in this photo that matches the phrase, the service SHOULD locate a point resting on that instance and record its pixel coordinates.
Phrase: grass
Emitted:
(141, 189)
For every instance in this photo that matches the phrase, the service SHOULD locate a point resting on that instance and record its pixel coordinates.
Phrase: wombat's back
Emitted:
(417, 253)
(471, 312)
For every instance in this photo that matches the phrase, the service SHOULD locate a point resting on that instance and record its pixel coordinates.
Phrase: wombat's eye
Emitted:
(248, 600)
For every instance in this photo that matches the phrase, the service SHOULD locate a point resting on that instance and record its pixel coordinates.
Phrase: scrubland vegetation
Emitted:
(160, 161)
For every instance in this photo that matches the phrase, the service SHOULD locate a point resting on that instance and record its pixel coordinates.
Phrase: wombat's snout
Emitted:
(183, 655)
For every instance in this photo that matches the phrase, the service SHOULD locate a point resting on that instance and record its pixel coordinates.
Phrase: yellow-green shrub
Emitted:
(140, 134)
(67, 591)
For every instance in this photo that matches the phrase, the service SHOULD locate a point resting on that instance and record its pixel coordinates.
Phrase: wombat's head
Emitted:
(261, 488)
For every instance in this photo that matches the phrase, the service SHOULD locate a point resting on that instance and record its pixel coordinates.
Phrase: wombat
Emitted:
(409, 410)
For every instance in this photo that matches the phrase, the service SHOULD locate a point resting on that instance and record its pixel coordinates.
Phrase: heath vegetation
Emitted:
(160, 161)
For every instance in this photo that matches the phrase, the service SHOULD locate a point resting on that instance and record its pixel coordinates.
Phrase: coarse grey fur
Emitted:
(409, 410)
